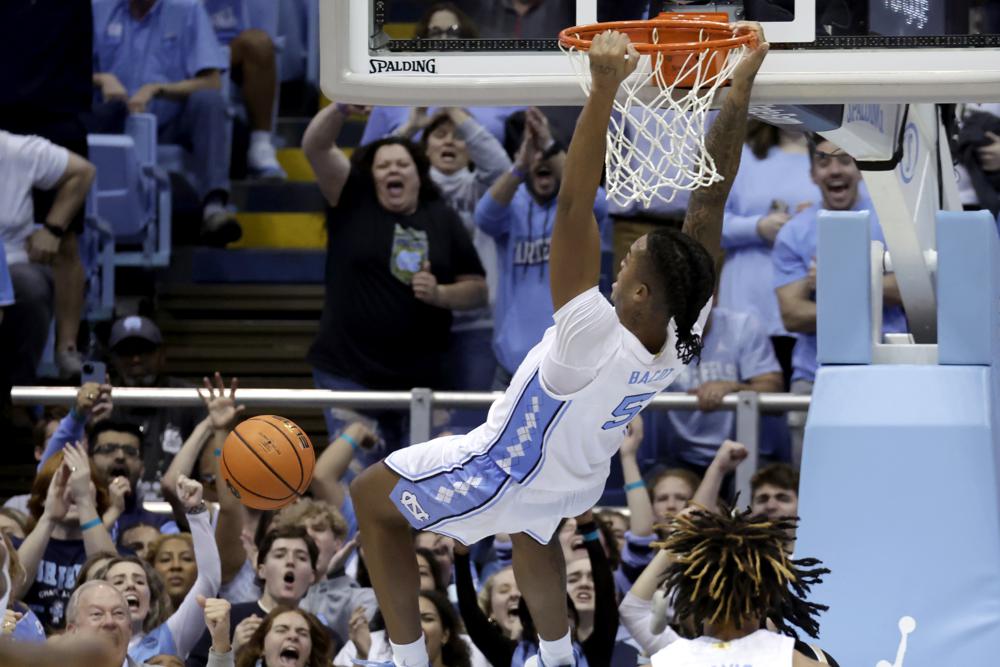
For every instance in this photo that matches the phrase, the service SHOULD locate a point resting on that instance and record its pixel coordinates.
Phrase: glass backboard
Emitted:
(496, 52)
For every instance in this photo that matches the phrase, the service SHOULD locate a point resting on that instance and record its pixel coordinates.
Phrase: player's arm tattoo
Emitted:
(724, 143)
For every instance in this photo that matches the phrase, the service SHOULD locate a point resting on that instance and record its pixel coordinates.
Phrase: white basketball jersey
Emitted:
(564, 442)
(760, 649)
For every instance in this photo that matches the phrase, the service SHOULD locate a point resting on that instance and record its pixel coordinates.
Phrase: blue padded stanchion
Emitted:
(899, 491)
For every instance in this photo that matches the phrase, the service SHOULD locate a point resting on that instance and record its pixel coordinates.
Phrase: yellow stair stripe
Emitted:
(295, 164)
(282, 230)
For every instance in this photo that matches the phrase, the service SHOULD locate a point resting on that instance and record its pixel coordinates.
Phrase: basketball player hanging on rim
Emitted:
(544, 452)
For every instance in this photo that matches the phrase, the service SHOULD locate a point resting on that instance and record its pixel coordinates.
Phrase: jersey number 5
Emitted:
(627, 409)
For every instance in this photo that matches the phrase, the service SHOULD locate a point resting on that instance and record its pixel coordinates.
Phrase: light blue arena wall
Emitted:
(899, 490)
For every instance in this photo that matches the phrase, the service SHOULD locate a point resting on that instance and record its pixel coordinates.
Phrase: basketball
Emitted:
(267, 462)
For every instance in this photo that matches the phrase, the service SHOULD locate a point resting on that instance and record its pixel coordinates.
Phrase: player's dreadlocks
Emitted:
(687, 275)
(731, 568)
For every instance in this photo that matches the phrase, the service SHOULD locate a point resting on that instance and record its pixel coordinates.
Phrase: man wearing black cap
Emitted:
(138, 360)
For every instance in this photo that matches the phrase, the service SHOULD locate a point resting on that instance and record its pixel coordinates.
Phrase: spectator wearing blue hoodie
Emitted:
(518, 212)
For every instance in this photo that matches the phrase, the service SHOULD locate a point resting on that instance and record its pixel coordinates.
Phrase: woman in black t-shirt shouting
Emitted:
(398, 262)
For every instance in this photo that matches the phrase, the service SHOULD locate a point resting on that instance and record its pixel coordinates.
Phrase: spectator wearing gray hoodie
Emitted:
(466, 160)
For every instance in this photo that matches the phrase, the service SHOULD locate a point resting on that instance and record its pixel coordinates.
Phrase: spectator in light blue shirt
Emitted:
(162, 57)
(737, 356)
(794, 255)
(518, 212)
(772, 185)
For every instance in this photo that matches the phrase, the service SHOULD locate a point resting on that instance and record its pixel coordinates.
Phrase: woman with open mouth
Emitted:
(399, 262)
(287, 637)
(157, 628)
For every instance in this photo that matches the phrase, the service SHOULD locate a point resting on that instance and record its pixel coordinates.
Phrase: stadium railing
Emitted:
(421, 403)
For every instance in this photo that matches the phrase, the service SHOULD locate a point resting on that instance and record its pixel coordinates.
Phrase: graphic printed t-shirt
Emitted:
(373, 330)
(54, 580)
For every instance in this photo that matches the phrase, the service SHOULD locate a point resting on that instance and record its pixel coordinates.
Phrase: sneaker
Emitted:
(69, 361)
(536, 660)
(220, 227)
(262, 161)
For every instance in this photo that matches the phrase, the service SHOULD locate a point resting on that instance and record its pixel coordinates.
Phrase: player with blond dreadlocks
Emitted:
(730, 573)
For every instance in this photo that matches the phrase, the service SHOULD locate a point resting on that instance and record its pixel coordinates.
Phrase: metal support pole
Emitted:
(421, 411)
(747, 432)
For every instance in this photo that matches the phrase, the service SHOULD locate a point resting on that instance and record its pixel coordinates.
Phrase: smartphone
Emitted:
(93, 371)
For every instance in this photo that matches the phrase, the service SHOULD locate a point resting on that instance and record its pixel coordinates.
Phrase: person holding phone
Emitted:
(115, 451)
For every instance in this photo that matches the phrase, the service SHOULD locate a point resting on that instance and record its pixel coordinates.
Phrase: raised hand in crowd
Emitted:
(80, 484)
(10, 619)
(354, 109)
(93, 401)
(189, 492)
(341, 556)
(730, 455)
(525, 155)
(217, 621)
(249, 546)
(359, 633)
(541, 133)
(634, 432)
(327, 484)
(989, 154)
(416, 122)
(244, 631)
(641, 518)
(458, 115)
(727, 458)
(222, 408)
(118, 489)
(57, 498)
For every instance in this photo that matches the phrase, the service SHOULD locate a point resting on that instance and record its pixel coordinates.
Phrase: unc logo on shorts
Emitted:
(412, 505)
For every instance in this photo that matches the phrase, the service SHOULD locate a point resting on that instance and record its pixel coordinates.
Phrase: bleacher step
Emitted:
(259, 333)
(260, 266)
(285, 197)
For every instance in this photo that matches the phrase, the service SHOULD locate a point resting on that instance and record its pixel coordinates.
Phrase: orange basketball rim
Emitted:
(671, 38)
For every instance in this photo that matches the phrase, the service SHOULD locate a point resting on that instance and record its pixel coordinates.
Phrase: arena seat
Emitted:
(97, 251)
(131, 194)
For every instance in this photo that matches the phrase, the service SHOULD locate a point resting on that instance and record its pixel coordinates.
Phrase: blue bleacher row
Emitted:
(128, 211)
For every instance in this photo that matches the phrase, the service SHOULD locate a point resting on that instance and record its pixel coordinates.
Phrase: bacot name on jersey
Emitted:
(645, 377)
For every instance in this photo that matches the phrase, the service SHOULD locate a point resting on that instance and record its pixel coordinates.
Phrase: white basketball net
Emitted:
(656, 140)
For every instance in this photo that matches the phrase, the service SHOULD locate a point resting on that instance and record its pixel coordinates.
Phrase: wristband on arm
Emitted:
(589, 531)
(632, 486)
(349, 440)
(93, 523)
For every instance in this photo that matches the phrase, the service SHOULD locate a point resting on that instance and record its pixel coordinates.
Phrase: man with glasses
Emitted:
(138, 359)
(794, 256)
(115, 448)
